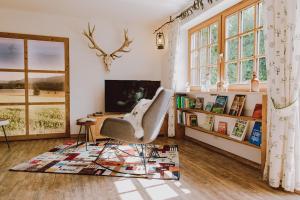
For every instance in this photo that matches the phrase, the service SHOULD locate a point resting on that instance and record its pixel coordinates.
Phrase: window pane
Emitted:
(11, 53)
(12, 89)
(231, 25)
(260, 14)
(232, 49)
(46, 87)
(247, 45)
(16, 116)
(204, 37)
(214, 33)
(232, 73)
(213, 75)
(194, 56)
(194, 41)
(43, 55)
(213, 55)
(248, 19)
(203, 57)
(261, 44)
(247, 70)
(262, 69)
(47, 119)
(195, 74)
(204, 77)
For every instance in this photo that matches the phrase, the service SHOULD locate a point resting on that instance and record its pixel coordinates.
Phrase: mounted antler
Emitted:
(107, 58)
(126, 44)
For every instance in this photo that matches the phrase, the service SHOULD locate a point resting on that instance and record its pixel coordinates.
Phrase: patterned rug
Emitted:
(120, 160)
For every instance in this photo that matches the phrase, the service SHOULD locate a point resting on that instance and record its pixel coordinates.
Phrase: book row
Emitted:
(236, 109)
(239, 131)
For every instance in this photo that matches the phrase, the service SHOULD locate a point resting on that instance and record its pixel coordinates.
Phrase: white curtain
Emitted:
(172, 64)
(282, 42)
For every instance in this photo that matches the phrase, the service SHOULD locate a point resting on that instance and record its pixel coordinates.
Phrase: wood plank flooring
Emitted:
(204, 175)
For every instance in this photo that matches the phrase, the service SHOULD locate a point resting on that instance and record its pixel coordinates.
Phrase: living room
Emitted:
(188, 99)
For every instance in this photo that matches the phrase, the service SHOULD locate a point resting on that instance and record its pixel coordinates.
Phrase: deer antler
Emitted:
(107, 58)
(125, 45)
(90, 36)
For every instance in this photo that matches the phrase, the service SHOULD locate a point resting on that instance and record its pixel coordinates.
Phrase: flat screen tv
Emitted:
(122, 95)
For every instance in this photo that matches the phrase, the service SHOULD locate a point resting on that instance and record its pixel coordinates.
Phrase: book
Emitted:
(208, 123)
(192, 103)
(209, 106)
(237, 105)
(199, 103)
(193, 120)
(255, 137)
(178, 101)
(240, 129)
(179, 117)
(220, 104)
(222, 128)
(257, 112)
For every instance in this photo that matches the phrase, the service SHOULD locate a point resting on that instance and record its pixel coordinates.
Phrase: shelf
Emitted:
(247, 118)
(220, 135)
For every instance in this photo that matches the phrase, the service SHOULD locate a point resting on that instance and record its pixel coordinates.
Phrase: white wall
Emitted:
(87, 72)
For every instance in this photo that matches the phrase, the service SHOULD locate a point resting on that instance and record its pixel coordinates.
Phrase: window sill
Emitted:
(245, 88)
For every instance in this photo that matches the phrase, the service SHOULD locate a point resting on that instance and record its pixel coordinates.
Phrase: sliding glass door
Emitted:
(34, 85)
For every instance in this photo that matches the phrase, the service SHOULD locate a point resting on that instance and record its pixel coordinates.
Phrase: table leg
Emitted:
(5, 137)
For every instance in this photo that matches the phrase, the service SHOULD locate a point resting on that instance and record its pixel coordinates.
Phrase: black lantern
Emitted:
(160, 40)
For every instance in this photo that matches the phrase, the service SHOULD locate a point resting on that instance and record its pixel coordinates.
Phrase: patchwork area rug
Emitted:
(117, 160)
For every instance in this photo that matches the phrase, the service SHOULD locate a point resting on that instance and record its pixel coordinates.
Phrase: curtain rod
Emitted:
(187, 12)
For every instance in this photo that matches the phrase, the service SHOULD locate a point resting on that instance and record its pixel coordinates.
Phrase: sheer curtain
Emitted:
(172, 65)
(282, 42)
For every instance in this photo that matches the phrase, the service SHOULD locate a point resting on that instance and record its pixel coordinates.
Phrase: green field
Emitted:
(42, 119)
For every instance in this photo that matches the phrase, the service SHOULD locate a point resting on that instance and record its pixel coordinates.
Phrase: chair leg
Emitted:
(92, 135)
(78, 136)
(5, 137)
(86, 136)
(105, 146)
(144, 155)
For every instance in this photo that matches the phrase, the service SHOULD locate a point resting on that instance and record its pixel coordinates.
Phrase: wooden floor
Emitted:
(204, 175)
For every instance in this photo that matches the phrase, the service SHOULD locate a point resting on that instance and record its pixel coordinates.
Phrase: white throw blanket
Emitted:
(135, 117)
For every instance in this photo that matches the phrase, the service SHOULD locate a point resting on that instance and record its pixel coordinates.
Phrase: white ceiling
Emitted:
(145, 11)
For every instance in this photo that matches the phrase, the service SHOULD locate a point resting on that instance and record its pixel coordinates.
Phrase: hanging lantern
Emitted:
(160, 40)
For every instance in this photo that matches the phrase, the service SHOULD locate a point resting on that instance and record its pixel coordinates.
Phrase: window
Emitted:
(34, 95)
(236, 55)
(204, 53)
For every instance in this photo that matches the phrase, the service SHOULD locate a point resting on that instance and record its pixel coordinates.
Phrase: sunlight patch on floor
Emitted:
(135, 195)
(150, 182)
(161, 192)
(124, 186)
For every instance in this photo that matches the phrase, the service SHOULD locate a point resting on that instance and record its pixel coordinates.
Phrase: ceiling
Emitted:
(144, 11)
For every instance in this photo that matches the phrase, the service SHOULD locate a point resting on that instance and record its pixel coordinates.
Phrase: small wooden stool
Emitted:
(4, 122)
(87, 123)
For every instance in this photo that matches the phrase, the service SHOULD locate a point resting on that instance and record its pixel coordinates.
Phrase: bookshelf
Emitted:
(242, 149)
(214, 133)
(248, 118)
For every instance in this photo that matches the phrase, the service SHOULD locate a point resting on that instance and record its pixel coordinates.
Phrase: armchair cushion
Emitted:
(119, 129)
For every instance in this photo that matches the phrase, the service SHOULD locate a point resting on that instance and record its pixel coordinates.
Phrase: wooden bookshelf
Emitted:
(221, 135)
(180, 129)
(247, 118)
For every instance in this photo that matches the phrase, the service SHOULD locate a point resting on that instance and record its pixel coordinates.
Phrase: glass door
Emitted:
(34, 86)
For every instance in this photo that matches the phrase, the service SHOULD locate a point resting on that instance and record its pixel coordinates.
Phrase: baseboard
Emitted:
(34, 137)
(225, 153)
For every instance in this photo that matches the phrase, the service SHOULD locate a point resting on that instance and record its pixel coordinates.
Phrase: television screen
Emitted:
(122, 95)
